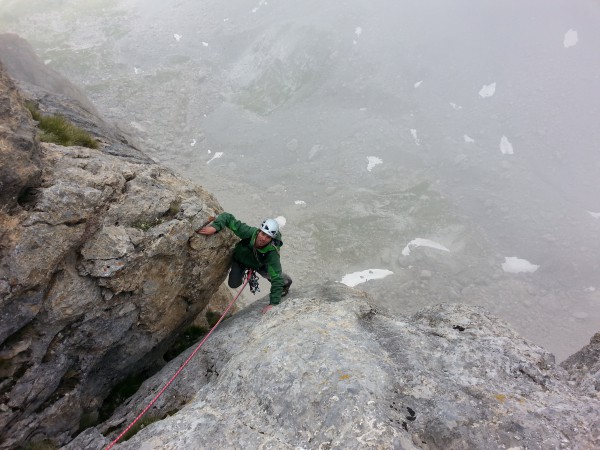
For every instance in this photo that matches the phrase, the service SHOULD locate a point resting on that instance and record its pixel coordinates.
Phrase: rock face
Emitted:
(53, 94)
(584, 368)
(22, 64)
(326, 370)
(100, 269)
(19, 151)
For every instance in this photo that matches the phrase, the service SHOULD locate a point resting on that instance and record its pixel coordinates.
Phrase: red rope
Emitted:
(112, 444)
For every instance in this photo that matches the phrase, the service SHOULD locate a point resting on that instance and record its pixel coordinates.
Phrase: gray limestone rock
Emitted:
(326, 370)
(19, 151)
(584, 368)
(53, 94)
(98, 274)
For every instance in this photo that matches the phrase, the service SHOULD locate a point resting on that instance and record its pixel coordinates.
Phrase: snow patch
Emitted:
(352, 279)
(261, 3)
(488, 90)
(512, 264)
(420, 242)
(372, 162)
(418, 83)
(205, 43)
(137, 126)
(313, 151)
(136, 70)
(506, 147)
(415, 137)
(299, 202)
(468, 139)
(193, 142)
(217, 155)
(594, 215)
(570, 39)
(358, 31)
(455, 106)
(177, 37)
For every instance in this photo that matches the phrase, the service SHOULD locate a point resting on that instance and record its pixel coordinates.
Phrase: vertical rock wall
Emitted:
(100, 269)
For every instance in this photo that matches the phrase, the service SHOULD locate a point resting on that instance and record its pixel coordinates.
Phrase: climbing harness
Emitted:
(253, 280)
(248, 279)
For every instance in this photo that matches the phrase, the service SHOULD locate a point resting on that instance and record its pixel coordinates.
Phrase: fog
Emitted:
(450, 151)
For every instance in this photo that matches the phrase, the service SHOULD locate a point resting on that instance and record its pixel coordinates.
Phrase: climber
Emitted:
(258, 249)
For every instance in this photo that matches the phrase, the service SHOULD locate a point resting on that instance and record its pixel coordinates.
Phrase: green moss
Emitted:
(58, 130)
(142, 423)
(185, 341)
(40, 445)
(212, 318)
(119, 394)
(174, 209)
(145, 225)
(88, 420)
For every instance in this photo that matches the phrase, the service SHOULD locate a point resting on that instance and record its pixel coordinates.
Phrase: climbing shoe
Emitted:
(286, 289)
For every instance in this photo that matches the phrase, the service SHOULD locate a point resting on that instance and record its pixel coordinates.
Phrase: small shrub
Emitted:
(212, 317)
(58, 130)
(142, 423)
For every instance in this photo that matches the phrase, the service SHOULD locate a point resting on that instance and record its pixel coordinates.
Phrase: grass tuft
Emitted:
(58, 130)
(142, 423)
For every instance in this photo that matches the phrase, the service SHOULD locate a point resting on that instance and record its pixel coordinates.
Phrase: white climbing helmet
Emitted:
(270, 227)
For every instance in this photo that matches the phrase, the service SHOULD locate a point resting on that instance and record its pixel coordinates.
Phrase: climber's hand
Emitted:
(266, 308)
(207, 230)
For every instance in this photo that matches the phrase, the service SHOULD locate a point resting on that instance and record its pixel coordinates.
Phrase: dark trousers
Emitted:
(236, 276)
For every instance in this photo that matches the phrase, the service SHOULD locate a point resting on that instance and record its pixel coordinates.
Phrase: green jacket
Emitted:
(266, 258)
